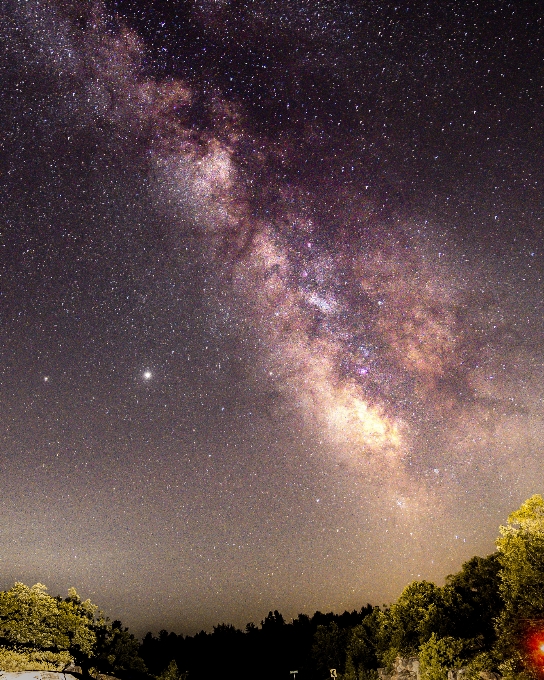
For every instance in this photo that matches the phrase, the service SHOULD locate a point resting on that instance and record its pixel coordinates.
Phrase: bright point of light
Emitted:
(148, 375)
(541, 647)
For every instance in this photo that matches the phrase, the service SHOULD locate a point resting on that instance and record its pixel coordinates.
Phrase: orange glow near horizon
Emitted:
(535, 644)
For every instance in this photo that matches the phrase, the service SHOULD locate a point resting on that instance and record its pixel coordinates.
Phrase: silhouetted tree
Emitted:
(329, 648)
(117, 652)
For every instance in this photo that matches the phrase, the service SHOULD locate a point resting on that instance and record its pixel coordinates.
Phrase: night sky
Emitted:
(271, 298)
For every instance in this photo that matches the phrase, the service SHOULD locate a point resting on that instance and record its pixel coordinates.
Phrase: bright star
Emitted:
(147, 375)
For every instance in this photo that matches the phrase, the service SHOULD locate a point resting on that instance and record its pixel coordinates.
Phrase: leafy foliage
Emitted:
(472, 599)
(438, 655)
(361, 653)
(409, 621)
(117, 650)
(40, 632)
(172, 673)
(329, 649)
(12, 660)
(32, 621)
(520, 626)
(521, 556)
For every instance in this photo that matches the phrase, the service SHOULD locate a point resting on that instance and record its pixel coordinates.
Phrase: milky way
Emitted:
(380, 317)
(374, 330)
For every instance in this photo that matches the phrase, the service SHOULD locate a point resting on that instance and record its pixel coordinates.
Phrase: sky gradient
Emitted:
(271, 299)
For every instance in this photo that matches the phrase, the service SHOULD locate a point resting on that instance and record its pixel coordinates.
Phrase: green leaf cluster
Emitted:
(521, 555)
(438, 655)
(172, 673)
(41, 632)
(32, 621)
(12, 660)
(521, 552)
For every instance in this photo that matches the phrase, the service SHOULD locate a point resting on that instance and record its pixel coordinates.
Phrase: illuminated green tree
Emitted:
(521, 555)
(409, 621)
(439, 655)
(38, 631)
(520, 627)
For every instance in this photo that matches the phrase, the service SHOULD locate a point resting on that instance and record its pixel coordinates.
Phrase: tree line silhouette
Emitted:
(271, 650)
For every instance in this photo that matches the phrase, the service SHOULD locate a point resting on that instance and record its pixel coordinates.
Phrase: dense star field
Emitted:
(271, 298)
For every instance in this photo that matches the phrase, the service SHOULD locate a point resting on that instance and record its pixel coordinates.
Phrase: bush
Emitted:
(439, 655)
(13, 660)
